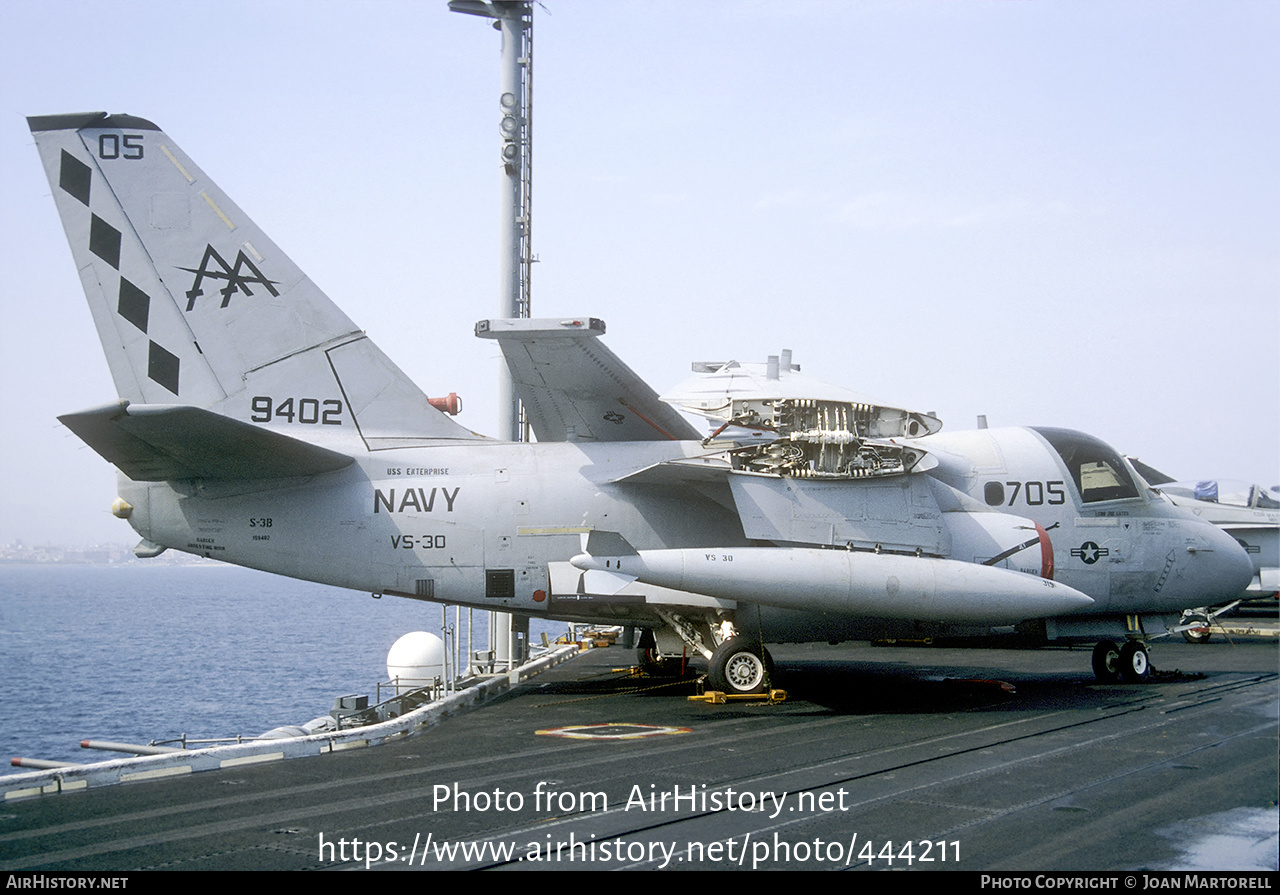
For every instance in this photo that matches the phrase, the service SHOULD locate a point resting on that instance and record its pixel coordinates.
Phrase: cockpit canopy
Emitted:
(1227, 492)
(1095, 466)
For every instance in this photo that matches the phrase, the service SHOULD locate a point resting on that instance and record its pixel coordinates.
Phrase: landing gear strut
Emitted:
(651, 661)
(1199, 630)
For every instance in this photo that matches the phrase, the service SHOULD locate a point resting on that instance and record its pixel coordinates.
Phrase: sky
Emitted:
(1050, 213)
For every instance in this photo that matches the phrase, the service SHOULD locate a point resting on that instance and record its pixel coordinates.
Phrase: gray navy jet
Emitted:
(258, 425)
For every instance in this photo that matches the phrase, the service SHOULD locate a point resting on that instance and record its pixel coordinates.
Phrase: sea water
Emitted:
(139, 652)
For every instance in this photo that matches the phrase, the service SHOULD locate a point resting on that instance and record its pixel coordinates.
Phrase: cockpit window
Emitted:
(1266, 499)
(1226, 491)
(1096, 468)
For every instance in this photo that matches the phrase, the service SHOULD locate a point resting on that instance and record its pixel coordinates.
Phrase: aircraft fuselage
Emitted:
(480, 523)
(474, 524)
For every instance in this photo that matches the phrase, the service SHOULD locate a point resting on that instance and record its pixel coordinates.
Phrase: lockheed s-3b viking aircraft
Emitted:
(258, 425)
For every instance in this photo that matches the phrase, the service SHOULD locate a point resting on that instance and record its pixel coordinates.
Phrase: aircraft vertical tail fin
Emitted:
(196, 306)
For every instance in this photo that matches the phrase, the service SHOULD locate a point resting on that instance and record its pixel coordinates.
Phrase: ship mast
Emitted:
(514, 18)
(509, 635)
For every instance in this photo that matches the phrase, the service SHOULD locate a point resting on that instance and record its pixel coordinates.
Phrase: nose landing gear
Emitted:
(1129, 663)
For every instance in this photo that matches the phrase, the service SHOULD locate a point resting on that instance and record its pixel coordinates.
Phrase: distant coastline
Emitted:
(18, 553)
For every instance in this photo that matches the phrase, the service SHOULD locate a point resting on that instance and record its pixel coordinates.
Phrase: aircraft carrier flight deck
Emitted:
(880, 758)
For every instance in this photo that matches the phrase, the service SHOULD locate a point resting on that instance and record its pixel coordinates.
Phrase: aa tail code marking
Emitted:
(236, 280)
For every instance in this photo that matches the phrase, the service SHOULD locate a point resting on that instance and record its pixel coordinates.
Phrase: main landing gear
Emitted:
(651, 661)
(1129, 663)
(740, 666)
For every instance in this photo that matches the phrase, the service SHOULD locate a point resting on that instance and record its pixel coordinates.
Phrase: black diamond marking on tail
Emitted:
(104, 241)
(134, 304)
(74, 177)
(162, 367)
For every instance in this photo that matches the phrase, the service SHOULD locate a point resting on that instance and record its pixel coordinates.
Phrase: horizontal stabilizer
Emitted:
(153, 443)
(575, 389)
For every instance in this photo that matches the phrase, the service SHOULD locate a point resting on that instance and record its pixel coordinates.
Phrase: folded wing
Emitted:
(575, 389)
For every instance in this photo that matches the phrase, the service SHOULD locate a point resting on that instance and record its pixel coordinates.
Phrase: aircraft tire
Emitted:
(740, 666)
(653, 664)
(1193, 635)
(1106, 662)
(650, 659)
(1135, 664)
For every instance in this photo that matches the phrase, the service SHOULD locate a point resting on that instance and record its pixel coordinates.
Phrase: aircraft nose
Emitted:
(1225, 567)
